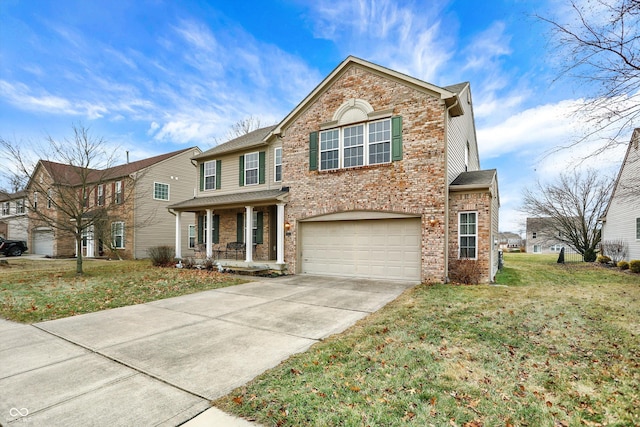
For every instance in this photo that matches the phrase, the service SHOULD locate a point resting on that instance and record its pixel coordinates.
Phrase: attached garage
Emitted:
(42, 242)
(368, 248)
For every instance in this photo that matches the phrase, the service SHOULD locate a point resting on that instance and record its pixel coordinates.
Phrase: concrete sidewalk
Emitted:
(161, 363)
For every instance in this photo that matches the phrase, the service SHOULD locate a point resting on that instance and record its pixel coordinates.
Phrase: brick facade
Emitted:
(414, 185)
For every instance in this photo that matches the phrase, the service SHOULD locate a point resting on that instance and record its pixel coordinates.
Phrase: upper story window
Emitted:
(251, 167)
(160, 191)
(356, 136)
(6, 208)
(49, 198)
(100, 195)
(359, 145)
(117, 193)
(277, 162)
(35, 201)
(19, 206)
(209, 173)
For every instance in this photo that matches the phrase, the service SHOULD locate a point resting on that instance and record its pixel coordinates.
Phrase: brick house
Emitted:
(375, 174)
(126, 204)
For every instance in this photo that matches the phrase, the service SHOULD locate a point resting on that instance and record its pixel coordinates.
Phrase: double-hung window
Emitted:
(210, 175)
(117, 234)
(192, 236)
(5, 208)
(468, 234)
(330, 149)
(19, 206)
(251, 167)
(100, 195)
(277, 173)
(117, 192)
(357, 145)
(50, 198)
(160, 191)
(637, 228)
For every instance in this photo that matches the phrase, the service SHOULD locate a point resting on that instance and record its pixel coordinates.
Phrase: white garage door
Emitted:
(377, 249)
(42, 242)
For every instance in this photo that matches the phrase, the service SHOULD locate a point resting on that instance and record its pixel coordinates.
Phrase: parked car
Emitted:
(12, 247)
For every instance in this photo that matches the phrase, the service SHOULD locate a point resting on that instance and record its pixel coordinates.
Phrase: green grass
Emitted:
(38, 290)
(554, 345)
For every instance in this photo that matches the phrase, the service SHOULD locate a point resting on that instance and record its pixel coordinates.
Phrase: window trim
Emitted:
(155, 187)
(474, 235)
(114, 230)
(193, 236)
(366, 144)
(117, 192)
(100, 200)
(214, 175)
(276, 164)
(247, 169)
(49, 198)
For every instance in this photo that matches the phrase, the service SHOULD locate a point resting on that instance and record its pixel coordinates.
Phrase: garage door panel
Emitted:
(368, 248)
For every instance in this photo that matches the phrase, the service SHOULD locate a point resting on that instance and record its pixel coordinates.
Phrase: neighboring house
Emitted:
(13, 216)
(374, 174)
(542, 238)
(621, 220)
(510, 242)
(133, 198)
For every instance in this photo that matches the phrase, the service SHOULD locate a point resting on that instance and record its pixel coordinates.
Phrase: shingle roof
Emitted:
(483, 178)
(229, 199)
(74, 175)
(251, 139)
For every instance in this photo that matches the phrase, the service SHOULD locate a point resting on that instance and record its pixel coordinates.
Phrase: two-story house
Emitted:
(621, 220)
(125, 206)
(13, 216)
(543, 237)
(375, 174)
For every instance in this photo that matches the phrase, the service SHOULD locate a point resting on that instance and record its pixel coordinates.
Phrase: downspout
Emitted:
(446, 190)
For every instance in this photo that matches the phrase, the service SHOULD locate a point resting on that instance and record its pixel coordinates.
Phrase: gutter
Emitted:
(446, 189)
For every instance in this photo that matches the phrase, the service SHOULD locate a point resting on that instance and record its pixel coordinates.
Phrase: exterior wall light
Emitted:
(432, 220)
(287, 226)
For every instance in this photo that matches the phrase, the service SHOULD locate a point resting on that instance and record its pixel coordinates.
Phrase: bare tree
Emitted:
(69, 195)
(244, 127)
(572, 207)
(599, 43)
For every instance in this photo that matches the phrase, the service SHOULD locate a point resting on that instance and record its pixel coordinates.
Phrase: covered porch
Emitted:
(239, 231)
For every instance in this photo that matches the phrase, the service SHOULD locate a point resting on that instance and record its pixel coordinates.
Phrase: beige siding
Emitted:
(460, 131)
(230, 180)
(154, 224)
(625, 204)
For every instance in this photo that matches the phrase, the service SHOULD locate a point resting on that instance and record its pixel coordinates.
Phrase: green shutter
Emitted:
(240, 227)
(241, 167)
(396, 138)
(313, 151)
(202, 176)
(216, 229)
(218, 174)
(260, 228)
(200, 229)
(261, 167)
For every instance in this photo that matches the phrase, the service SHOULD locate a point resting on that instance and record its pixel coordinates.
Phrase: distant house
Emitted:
(621, 220)
(542, 237)
(13, 216)
(136, 193)
(509, 241)
(375, 174)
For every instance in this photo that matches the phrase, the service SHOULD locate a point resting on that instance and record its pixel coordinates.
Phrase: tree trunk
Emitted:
(79, 271)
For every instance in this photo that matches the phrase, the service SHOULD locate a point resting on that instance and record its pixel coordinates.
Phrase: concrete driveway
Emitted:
(161, 363)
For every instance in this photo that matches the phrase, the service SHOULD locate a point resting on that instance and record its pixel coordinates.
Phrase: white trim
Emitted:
(156, 183)
(257, 168)
(474, 235)
(275, 165)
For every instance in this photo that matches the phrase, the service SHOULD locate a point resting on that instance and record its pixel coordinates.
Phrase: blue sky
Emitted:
(153, 76)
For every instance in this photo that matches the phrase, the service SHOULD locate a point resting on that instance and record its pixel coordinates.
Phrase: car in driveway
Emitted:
(12, 247)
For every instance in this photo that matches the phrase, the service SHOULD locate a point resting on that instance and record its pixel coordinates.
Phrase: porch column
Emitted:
(208, 234)
(178, 235)
(248, 233)
(280, 234)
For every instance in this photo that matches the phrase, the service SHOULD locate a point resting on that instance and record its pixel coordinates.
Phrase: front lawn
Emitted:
(551, 345)
(38, 290)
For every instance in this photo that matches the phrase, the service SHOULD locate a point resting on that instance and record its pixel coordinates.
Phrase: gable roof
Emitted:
(5, 197)
(450, 98)
(635, 140)
(255, 138)
(75, 175)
